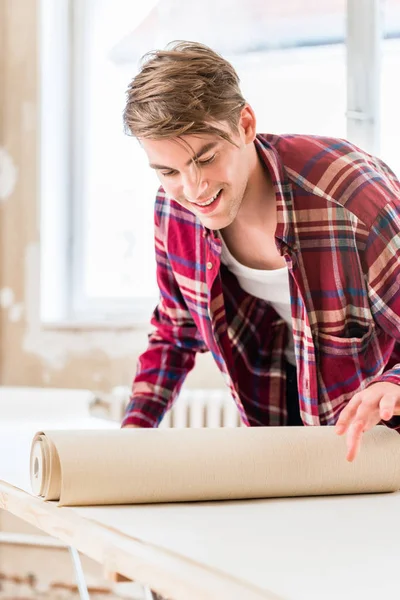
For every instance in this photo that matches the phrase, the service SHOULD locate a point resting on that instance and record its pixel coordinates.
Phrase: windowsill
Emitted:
(96, 325)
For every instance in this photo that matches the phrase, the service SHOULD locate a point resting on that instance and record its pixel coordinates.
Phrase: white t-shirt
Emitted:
(269, 285)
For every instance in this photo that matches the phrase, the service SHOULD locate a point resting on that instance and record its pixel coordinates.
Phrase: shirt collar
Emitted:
(283, 192)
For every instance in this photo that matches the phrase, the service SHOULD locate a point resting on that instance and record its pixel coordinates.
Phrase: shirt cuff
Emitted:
(143, 412)
(139, 419)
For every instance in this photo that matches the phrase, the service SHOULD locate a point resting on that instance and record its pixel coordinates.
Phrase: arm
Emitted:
(171, 350)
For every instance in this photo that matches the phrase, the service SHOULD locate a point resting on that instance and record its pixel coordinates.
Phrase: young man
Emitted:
(279, 254)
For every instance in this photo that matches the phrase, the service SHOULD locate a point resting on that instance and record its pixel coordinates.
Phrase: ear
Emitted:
(247, 124)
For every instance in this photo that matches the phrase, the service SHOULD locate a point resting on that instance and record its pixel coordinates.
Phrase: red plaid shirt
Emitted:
(339, 231)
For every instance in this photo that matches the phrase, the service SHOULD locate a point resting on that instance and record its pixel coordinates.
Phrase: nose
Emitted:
(194, 186)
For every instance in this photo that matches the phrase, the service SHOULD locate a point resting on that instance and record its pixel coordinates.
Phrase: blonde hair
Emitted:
(185, 89)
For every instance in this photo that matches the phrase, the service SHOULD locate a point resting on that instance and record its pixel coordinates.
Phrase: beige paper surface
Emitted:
(313, 548)
(179, 465)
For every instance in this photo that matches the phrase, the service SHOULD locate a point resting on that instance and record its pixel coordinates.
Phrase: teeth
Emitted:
(209, 201)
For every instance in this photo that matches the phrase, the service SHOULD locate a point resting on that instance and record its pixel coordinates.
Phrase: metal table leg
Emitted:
(82, 587)
(150, 595)
(80, 577)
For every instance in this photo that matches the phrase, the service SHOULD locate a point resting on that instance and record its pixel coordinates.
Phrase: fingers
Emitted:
(362, 413)
(379, 402)
(366, 417)
(387, 407)
(348, 414)
(353, 440)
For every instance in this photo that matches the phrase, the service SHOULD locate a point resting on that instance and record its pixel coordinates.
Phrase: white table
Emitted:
(344, 547)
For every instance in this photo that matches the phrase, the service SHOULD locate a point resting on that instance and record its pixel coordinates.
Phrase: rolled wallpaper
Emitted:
(129, 466)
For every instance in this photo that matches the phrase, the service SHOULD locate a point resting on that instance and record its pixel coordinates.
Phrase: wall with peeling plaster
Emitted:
(30, 354)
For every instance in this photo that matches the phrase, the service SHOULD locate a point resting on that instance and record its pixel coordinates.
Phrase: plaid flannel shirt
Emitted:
(338, 211)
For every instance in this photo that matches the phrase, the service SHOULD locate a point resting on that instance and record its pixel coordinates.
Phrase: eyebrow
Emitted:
(203, 150)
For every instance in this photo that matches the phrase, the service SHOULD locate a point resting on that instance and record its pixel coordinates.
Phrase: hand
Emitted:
(131, 427)
(378, 402)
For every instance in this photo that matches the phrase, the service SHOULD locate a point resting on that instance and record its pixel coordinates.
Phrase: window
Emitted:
(291, 58)
(390, 121)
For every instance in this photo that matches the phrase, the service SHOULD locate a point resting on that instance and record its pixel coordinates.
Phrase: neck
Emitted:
(258, 207)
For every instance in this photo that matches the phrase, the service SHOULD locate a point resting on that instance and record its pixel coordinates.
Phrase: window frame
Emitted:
(62, 117)
(54, 30)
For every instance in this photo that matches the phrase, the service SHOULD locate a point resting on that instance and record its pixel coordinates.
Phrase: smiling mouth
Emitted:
(208, 202)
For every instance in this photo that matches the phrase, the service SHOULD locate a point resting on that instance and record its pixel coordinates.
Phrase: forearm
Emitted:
(144, 411)
(161, 372)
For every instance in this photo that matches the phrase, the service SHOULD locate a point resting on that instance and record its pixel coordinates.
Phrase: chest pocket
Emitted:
(346, 362)
(355, 342)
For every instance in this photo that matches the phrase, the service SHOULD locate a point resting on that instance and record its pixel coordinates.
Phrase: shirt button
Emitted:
(209, 265)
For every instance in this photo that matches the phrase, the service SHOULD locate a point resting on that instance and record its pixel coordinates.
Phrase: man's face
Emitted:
(204, 173)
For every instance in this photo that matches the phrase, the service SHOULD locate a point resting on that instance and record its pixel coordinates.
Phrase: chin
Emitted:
(216, 222)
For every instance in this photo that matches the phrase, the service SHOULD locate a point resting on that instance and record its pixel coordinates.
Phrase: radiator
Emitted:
(195, 408)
